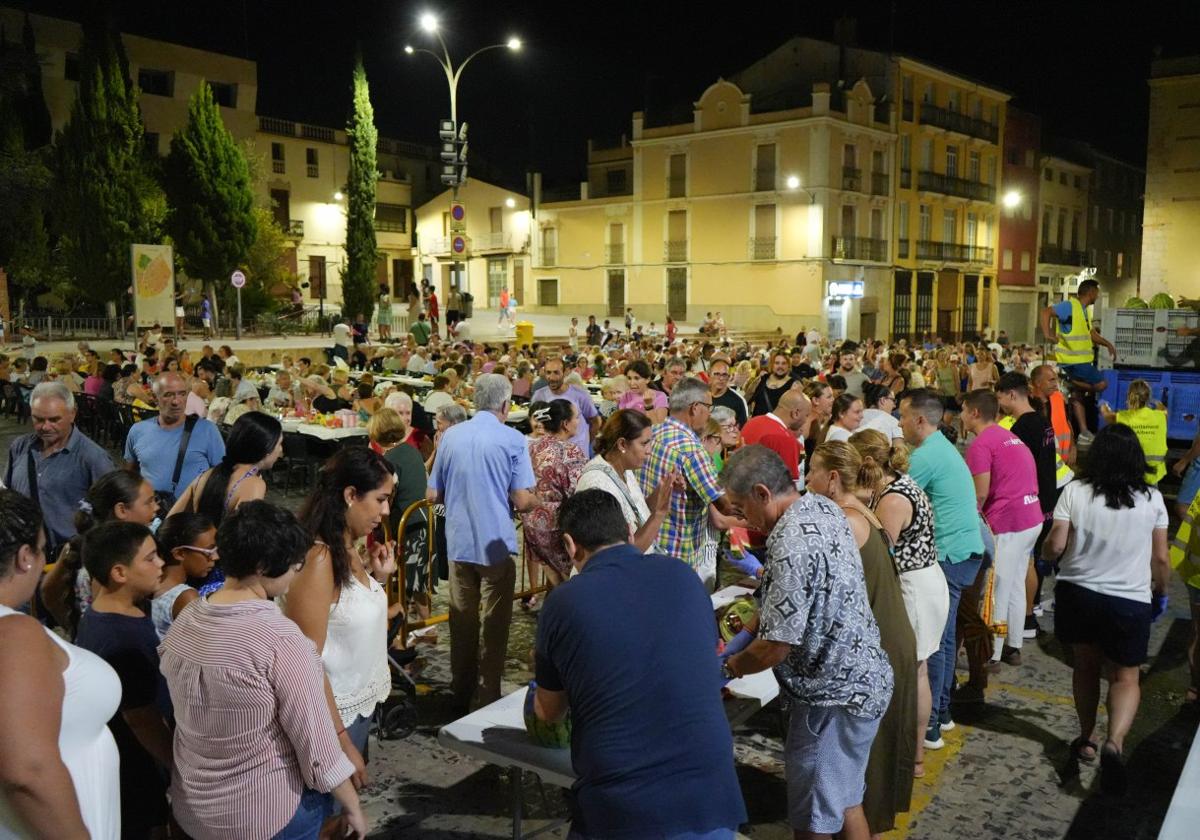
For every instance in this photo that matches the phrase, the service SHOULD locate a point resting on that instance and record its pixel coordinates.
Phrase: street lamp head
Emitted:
(337, 196)
(408, 49)
(514, 44)
(793, 182)
(510, 203)
(1011, 199)
(429, 22)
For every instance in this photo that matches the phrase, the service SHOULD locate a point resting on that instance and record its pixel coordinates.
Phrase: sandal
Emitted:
(919, 770)
(1079, 745)
(1113, 776)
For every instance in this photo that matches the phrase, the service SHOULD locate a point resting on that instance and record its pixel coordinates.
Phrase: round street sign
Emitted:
(459, 245)
(457, 212)
(238, 279)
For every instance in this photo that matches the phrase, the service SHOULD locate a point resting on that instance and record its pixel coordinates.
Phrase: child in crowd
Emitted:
(122, 558)
(187, 545)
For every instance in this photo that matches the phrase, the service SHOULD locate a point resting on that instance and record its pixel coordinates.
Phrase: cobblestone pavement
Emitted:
(1002, 774)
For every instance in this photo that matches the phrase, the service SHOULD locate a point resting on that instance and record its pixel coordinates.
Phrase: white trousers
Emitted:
(1012, 563)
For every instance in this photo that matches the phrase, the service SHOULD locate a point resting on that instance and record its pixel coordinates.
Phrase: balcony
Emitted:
(902, 249)
(317, 132)
(676, 187)
(443, 246)
(277, 167)
(852, 178)
(960, 123)
(880, 183)
(313, 170)
(1058, 255)
(675, 250)
(295, 229)
(494, 242)
(960, 187)
(905, 178)
(272, 125)
(859, 248)
(953, 252)
(763, 247)
(614, 253)
(906, 110)
(549, 255)
(390, 226)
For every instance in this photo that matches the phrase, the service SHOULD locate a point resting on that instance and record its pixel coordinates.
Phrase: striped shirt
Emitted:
(252, 725)
(676, 447)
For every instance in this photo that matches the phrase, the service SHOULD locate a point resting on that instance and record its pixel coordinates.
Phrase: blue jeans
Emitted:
(941, 664)
(311, 813)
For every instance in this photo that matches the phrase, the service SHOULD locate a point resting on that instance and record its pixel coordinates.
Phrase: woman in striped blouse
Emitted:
(256, 754)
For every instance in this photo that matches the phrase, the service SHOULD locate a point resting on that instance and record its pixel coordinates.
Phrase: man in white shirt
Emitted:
(342, 339)
(440, 395)
(417, 361)
(462, 330)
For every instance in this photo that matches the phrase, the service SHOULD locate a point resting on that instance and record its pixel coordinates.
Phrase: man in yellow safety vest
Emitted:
(1073, 336)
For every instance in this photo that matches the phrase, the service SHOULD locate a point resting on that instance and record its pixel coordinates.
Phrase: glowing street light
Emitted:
(429, 22)
(514, 44)
(510, 203)
(1011, 199)
(793, 182)
(337, 196)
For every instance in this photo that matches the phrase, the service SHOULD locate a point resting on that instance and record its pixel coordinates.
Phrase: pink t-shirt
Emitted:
(1012, 501)
(632, 399)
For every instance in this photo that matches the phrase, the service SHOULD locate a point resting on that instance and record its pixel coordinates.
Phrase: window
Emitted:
(311, 160)
(927, 154)
(1047, 221)
(1062, 178)
(973, 166)
(850, 156)
(902, 220)
(764, 232)
(156, 82)
(991, 172)
(316, 276)
(972, 229)
(495, 220)
(1062, 227)
(1121, 222)
(1025, 261)
(952, 101)
(1120, 264)
(278, 162)
(905, 151)
(949, 225)
(764, 167)
(391, 218)
(1109, 216)
(925, 224)
(1075, 228)
(1078, 183)
(615, 181)
(906, 88)
(548, 291)
(224, 94)
(616, 243)
(281, 208)
(71, 69)
(1030, 158)
(1107, 268)
(902, 303)
(549, 246)
(1006, 261)
(927, 93)
(878, 163)
(977, 109)
(952, 161)
(497, 278)
(877, 224)
(1048, 173)
(677, 176)
(1095, 220)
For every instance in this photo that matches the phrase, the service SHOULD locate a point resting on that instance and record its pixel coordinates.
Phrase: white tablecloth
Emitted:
(323, 432)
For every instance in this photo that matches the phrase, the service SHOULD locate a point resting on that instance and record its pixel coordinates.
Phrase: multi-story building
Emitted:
(495, 243)
(1172, 198)
(1062, 227)
(304, 166)
(775, 215)
(1017, 276)
(1114, 235)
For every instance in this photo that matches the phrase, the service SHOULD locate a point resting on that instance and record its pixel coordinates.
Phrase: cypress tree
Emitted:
(102, 194)
(362, 253)
(210, 193)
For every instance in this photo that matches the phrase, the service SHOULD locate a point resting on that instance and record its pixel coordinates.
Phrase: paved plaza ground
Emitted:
(1001, 775)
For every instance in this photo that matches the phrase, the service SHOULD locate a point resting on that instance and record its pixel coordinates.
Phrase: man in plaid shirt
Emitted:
(676, 447)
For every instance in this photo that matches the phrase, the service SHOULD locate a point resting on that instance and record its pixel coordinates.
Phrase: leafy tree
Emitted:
(210, 194)
(267, 271)
(104, 201)
(362, 253)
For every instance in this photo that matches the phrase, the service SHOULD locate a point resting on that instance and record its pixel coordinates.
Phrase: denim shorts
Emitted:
(1085, 372)
(312, 811)
(1191, 483)
(825, 764)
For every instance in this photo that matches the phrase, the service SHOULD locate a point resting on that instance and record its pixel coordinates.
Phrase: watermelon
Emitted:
(543, 733)
(1136, 303)
(1162, 300)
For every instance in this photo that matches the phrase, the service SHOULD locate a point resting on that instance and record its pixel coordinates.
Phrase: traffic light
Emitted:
(453, 152)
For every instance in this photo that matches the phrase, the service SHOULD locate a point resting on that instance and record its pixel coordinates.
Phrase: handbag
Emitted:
(167, 498)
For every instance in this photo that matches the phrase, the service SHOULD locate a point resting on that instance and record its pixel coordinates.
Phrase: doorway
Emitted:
(677, 293)
(616, 293)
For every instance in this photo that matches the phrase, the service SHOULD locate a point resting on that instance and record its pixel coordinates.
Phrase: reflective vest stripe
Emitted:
(1185, 550)
(1075, 347)
(1062, 428)
(1150, 426)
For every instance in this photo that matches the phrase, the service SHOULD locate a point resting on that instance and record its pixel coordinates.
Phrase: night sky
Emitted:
(1081, 66)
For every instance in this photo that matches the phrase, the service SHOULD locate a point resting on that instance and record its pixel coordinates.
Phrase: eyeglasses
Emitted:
(714, 438)
(210, 553)
(707, 405)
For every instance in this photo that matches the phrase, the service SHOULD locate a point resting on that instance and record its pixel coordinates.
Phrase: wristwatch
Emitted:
(726, 671)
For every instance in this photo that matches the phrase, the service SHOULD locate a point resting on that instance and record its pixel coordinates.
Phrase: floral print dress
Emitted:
(557, 465)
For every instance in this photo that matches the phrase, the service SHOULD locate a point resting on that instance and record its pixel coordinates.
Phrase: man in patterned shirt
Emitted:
(816, 629)
(676, 447)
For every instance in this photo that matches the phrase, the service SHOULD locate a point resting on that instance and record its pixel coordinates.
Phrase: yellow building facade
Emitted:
(752, 214)
(1170, 244)
(1063, 247)
(948, 175)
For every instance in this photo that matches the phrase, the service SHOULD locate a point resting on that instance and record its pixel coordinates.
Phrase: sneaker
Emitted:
(1038, 611)
(945, 722)
(933, 738)
(1085, 439)
(1031, 628)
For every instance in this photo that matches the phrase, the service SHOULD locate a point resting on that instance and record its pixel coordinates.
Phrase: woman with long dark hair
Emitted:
(640, 396)
(557, 464)
(254, 445)
(338, 597)
(1112, 583)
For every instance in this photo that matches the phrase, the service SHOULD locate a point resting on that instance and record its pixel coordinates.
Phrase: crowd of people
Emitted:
(210, 661)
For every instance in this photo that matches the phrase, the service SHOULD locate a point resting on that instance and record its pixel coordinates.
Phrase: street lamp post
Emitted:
(429, 23)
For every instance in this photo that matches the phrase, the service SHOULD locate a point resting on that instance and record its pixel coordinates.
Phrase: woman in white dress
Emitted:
(60, 767)
(338, 599)
(907, 517)
(623, 445)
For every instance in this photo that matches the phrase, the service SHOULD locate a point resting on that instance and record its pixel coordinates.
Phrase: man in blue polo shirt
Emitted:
(629, 647)
(939, 470)
(481, 473)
